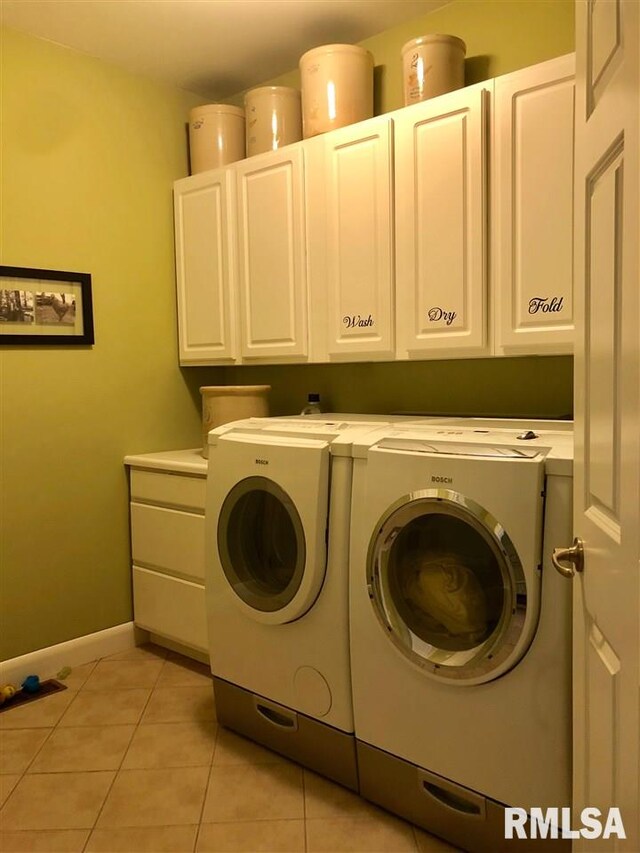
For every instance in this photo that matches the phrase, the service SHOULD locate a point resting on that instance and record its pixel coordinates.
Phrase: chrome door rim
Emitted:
(491, 657)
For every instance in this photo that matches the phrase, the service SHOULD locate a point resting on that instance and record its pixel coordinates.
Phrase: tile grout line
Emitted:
(29, 763)
(206, 787)
(137, 726)
(52, 728)
(116, 773)
(304, 810)
(135, 729)
(415, 838)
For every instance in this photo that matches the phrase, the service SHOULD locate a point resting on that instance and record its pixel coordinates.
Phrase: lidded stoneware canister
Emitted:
(222, 404)
(432, 65)
(216, 136)
(337, 87)
(273, 118)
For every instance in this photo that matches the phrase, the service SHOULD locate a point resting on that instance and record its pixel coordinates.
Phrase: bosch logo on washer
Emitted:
(435, 479)
(262, 461)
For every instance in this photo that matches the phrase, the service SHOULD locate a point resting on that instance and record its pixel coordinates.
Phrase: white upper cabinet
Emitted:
(532, 211)
(205, 274)
(357, 238)
(376, 241)
(440, 200)
(272, 256)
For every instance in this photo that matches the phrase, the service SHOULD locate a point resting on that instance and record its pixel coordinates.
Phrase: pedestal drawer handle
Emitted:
(277, 717)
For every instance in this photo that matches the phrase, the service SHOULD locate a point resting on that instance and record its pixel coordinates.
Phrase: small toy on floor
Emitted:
(31, 684)
(8, 692)
(30, 689)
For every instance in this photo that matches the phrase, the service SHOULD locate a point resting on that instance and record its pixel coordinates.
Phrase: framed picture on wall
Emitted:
(45, 307)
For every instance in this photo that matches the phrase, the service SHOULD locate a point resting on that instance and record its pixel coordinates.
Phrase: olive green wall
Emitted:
(89, 154)
(501, 36)
(534, 387)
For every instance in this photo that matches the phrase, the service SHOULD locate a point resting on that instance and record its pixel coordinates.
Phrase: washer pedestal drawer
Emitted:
(460, 816)
(309, 742)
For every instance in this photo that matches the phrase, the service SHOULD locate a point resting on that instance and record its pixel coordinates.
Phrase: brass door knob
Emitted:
(573, 556)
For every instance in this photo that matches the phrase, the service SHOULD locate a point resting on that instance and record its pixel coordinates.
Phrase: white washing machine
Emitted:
(277, 546)
(460, 626)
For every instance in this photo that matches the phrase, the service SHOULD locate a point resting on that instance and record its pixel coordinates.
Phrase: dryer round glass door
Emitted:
(448, 587)
(261, 544)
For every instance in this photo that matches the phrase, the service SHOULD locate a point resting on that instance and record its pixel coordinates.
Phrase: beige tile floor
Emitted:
(130, 758)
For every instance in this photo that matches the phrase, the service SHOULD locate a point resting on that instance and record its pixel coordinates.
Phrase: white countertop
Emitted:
(178, 461)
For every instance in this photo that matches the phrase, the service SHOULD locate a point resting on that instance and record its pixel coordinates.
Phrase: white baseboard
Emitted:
(46, 663)
(186, 651)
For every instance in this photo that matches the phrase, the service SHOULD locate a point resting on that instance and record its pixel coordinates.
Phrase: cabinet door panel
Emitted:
(440, 167)
(272, 262)
(173, 490)
(359, 240)
(204, 268)
(170, 607)
(532, 216)
(168, 540)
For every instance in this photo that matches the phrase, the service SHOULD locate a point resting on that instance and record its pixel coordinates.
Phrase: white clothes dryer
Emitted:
(460, 626)
(277, 547)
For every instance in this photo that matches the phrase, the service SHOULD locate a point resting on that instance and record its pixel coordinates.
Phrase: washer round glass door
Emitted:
(261, 545)
(448, 587)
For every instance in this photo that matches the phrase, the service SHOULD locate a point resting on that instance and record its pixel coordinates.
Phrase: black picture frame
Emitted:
(45, 307)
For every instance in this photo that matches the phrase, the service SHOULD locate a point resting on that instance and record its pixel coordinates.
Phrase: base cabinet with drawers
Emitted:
(167, 499)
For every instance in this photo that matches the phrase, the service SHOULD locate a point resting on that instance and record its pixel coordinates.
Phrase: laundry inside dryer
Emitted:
(445, 581)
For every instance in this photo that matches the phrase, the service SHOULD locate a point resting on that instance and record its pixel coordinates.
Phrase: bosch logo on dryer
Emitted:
(436, 479)
(262, 461)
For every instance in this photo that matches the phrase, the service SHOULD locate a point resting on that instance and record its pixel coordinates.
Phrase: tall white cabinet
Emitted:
(532, 212)
(272, 271)
(349, 182)
(204, 219)
(441, 192)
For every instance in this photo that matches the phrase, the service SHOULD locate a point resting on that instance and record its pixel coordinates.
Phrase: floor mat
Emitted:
(22, 697)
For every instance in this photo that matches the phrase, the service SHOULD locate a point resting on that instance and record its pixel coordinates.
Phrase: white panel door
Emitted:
(359, 241)
(272, 256)
(532, 209)
(205, 269)
(607, 416)
(440, 183)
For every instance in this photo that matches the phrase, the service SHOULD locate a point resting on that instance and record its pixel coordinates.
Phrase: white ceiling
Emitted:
(214, 48)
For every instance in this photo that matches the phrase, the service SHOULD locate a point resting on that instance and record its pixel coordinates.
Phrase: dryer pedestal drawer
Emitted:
(457, 814)
(171, 607)
(309, 742)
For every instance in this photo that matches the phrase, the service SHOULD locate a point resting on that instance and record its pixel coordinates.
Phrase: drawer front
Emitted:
(168, 489)
(168, 539)
(170, 607)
